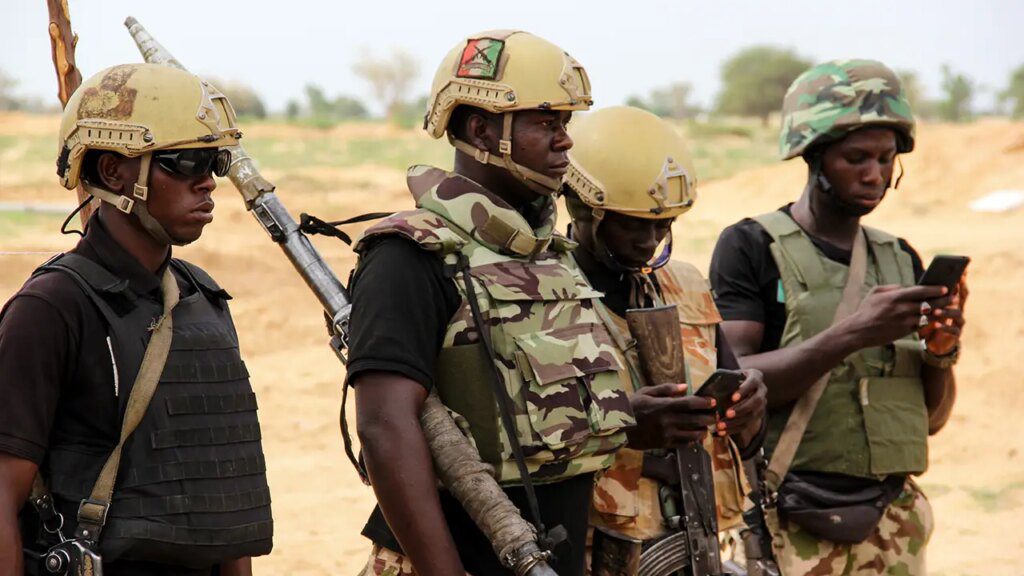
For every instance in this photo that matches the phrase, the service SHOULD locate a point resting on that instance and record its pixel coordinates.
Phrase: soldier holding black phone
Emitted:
(857, 356)
(623, 194)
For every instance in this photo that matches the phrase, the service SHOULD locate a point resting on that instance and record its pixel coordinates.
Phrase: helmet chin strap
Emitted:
(605, 256)
(539, 183)
(136, 203)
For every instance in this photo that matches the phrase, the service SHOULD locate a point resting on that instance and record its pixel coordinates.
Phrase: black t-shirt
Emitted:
(402, 302)
(56, 377)
(746, 279)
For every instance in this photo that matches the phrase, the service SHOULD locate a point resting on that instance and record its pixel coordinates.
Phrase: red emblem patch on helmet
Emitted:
(480, 58)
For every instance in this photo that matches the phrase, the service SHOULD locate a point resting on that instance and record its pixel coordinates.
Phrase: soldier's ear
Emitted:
(115, 171)
(482, 132)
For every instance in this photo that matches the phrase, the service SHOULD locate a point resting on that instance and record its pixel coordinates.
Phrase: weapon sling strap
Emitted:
(557, 534)
(800, 417)
(92, 512)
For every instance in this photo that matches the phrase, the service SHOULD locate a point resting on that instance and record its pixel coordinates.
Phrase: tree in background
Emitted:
(1014, 93)
(672, 101)
(755, 80)
(914, 90)
(958, 90)
(244, 99)
(390, 79)
(326, 111)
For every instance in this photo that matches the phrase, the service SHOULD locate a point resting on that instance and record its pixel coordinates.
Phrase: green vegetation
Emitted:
(992, 500)
(755, 80)
(13, 223)
(722, 148)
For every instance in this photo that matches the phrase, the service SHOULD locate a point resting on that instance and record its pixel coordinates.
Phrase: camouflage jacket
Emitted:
(556, 358)
(626, 501)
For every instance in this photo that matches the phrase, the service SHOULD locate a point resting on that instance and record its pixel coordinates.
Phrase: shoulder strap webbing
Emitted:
(92, 512)
(546, 539)
(800, 417)
(801, 255)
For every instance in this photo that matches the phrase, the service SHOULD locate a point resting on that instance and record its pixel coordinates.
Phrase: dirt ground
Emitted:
(976, 478)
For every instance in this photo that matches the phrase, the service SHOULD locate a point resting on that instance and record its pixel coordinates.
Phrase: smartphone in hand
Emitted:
(945, 270)
(721, 385)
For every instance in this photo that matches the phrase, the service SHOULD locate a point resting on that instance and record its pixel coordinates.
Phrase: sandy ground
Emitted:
(976, 479)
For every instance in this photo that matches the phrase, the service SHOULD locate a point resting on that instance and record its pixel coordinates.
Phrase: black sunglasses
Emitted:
(194, 162)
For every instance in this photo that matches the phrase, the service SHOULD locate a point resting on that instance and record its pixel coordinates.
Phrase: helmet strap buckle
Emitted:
(125, 204)
(140, 190)
(505, 146)
(482, 156)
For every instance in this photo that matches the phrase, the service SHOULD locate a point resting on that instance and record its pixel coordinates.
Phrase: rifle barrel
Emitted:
(270, 212)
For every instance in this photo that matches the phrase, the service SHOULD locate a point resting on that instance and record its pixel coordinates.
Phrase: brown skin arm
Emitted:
(397, 457)
(16, 475)
(885, 315)
(744, 418)
(942, 336)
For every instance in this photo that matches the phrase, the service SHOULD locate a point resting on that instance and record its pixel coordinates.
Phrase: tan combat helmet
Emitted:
(135, 110)
(503, 71)
(629, 161)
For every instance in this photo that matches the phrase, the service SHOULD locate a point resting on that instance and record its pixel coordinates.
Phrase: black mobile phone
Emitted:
(721, 385)
(945, 270)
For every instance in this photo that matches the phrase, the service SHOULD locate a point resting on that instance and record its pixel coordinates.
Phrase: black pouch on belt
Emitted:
(838, 508)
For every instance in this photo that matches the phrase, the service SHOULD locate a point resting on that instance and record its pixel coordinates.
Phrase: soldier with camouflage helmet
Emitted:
(474, 295)
(128, 414)
(857, 358)
(630, 178)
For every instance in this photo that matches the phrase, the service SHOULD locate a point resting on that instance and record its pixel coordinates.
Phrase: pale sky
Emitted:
(627, 47)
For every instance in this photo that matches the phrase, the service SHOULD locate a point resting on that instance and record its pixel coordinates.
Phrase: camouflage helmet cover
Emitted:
(832, 99)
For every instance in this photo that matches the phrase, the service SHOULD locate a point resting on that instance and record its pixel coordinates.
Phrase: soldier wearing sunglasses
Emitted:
(189, 494)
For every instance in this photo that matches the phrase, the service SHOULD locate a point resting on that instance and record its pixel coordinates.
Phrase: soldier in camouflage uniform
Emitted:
(844, 501)
(473, 286)
(624, 194)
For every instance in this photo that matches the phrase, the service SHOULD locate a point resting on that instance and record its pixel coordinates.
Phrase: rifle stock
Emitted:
(62, 48)
(659, 344)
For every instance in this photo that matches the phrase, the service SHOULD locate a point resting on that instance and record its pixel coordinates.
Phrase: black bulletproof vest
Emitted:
(192, 488)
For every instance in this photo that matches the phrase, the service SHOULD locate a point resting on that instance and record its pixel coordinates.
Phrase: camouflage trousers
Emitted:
(896, 547)
(385, 562)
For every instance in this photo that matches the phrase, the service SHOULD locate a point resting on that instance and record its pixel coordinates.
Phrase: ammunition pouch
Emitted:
(664, 468)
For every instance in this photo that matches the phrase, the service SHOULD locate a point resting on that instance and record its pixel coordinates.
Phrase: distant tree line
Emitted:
(754, 82)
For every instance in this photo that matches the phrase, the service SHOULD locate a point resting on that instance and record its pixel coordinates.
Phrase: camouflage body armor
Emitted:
(871, 420)
(558, 362)
(624, 499)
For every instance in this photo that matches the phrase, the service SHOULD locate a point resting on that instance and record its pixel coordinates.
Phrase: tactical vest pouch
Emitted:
(896, 421)
(574, 389)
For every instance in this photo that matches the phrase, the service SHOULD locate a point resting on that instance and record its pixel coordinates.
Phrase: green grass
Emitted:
(314, 151)
(13, 223)
(722, 148)
(992, 500)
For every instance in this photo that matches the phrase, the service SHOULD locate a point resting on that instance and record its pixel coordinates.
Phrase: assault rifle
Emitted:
(457, 462)
(692, 547)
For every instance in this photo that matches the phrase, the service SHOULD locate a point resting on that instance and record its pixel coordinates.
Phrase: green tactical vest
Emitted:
(556, 359)
(871, 420)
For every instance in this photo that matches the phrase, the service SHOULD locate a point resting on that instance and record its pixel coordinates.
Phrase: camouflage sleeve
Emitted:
(401, 305)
